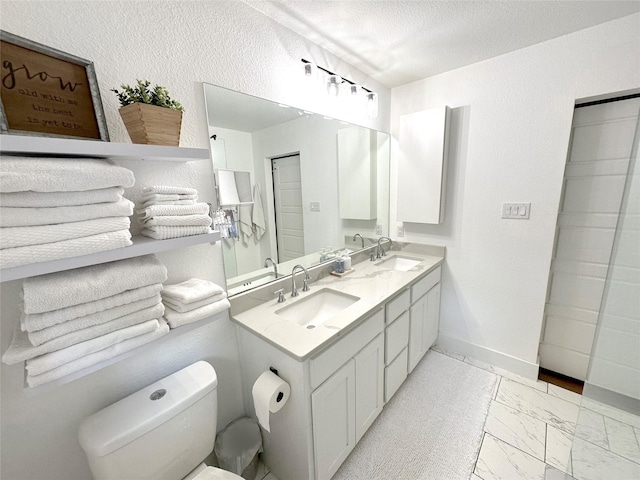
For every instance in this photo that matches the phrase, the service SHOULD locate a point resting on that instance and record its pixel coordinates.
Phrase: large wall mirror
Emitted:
(315, 183)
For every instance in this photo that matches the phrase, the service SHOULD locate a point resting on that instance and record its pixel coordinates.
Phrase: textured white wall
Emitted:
(178, 45)
(512, 119)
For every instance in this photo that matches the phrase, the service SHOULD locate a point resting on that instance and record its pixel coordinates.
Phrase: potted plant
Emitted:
(150, 115)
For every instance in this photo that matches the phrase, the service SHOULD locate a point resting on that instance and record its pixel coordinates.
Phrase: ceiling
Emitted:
(400, 41)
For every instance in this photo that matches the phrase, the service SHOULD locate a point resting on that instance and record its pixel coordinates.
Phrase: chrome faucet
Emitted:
(380, 251)
(307, 277)
(275, 266)
(361, 239)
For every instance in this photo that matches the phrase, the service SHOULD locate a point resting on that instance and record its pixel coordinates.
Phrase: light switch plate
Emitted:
(378, 229)
(400, 230)
(518, 211)
(314, 206)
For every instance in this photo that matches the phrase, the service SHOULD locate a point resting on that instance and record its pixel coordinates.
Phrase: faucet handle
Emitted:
(372, 257)
(280, 293)
(305, 283)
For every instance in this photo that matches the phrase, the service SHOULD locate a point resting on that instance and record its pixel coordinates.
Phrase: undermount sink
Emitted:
(317, 308)
(401, 263)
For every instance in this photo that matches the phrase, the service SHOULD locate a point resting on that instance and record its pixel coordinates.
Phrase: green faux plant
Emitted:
(142, 93)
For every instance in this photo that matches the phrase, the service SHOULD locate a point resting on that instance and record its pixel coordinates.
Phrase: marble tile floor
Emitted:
(539, 431)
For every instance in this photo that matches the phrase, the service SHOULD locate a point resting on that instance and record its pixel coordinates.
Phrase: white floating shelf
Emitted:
(69, 147)
(141, 246)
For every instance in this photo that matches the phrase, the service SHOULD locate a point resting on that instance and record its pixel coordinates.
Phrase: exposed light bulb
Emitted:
(333, 85)
(309, 69)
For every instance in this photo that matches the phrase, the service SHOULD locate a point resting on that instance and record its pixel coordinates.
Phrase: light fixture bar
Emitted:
(332, 73)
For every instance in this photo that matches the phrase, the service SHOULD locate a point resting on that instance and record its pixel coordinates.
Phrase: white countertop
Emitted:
(374, 284)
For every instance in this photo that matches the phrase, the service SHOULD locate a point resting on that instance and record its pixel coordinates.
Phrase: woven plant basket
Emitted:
(152, 125)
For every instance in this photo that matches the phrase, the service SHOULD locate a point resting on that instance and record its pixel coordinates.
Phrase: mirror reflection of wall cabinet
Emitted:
(357, 176)
(423, 145)
(234, 188)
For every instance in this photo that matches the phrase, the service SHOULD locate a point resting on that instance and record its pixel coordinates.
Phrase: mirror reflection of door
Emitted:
(287, 195)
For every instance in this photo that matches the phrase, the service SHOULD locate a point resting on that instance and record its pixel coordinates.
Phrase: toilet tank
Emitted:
(160, 432)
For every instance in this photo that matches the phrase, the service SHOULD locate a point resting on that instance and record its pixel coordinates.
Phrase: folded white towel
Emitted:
(39, 321)
(76, 247)
(100, 356)
(49, 361)
(168, 190)
(164, 233)
(23, 174)
(187, 307)
(170, 210)
(177, 221)
(53, 291)
(23, 217)
(21, 349)
(47, 334)
(177, 319)
(60, 199)
(150, 203)
(192, 290)
(11, 237)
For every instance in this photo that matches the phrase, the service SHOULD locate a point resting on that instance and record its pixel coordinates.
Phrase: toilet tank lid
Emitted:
(124, 421)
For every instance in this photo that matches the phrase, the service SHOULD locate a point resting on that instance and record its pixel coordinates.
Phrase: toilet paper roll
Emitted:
(270, 393)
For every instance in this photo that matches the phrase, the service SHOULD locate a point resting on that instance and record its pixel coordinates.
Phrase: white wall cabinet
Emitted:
(423, 143)
(342, 390)
(357, 174)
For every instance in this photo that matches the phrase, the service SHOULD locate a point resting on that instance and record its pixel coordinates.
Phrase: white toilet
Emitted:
(162, 432)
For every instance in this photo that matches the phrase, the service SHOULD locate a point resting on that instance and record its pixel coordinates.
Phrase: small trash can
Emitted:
(237, 447)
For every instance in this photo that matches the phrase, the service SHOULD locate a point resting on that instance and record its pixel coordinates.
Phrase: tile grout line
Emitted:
(517, 448)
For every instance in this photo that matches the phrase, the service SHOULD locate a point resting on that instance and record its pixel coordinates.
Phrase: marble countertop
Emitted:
(374, 283)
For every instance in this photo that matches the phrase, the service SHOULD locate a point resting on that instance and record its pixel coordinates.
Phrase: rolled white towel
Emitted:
(23, 174)
(47, 334)
(49, 361)
(38, 321)
(11, 237)
(164, 233)
(21, 349)
(24, 217)
(170, 210)
(177, 221)
(192, 290)
(100, 356)
(187, 307)
(60, 199)
(177, 319)
(76, 247)
(168, 190)
(53, 291)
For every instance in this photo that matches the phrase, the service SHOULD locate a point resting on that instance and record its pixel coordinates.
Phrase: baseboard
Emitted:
(492, 357)
(611, 398)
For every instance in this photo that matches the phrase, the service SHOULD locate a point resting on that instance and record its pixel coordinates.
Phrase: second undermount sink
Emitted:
(317, 308)
(401, 263)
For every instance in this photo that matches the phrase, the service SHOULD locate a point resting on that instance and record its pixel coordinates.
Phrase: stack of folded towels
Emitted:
(76, 318)
(52, 208)
(193, 300)
(171, 212)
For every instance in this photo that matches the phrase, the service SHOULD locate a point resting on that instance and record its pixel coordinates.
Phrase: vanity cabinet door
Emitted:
(333, 406)
(369, 384)
(432, 319)
(417, 316)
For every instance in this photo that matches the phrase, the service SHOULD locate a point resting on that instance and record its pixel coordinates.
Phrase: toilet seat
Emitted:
(212, 473)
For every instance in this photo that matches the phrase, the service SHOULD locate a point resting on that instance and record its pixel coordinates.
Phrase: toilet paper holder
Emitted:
(280, 394)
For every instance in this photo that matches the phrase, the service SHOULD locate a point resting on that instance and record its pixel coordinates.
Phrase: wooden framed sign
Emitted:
(47, 92)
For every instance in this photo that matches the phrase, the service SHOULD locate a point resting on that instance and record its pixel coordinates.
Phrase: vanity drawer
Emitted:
(395, 374)
(396, 337)
(398, 305)
(329, 361)
(421, 287)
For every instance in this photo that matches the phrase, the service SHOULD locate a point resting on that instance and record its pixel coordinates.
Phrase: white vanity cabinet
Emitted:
(424, 316)
(396, 339)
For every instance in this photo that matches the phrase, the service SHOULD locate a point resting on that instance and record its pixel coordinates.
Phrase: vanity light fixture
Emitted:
(333, 84)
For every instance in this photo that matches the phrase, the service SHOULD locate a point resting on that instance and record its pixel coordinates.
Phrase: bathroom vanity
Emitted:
(345, 347)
